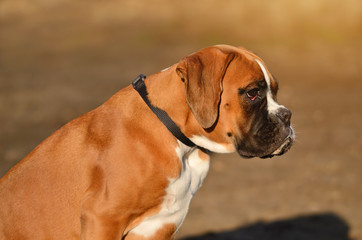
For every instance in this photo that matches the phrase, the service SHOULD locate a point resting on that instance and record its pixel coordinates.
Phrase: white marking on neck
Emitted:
(206, 143)
(179, 192)
(273, 106)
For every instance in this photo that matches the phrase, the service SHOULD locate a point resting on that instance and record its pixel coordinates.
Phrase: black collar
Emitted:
(140, 87)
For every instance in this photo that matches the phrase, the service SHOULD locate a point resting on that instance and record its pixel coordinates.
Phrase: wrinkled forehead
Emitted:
(267, 76)
(258, 69)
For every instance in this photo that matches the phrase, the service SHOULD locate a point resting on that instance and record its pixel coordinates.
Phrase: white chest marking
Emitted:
(206, 143)
(179, 193)
(273, 106)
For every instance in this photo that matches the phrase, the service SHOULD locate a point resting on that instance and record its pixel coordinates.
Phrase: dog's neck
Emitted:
(173, 94)
(168, 91)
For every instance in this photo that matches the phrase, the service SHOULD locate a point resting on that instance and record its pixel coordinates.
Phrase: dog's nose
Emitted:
(284, 114)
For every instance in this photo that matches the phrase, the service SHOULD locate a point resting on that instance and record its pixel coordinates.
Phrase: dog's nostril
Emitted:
(285, 115)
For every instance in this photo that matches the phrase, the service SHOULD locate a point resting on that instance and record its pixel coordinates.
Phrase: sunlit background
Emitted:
(62, 58)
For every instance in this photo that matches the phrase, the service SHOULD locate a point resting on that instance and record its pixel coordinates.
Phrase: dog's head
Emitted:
(232, 96)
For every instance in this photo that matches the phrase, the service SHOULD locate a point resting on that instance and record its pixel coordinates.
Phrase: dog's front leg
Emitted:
(98, 219)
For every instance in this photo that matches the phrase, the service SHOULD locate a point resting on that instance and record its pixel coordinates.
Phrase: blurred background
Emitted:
(62, 58)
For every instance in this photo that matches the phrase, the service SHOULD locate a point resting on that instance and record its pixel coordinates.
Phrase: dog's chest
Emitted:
(179, 194)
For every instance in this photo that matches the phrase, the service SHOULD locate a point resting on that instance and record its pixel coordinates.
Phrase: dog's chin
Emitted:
(283, 148)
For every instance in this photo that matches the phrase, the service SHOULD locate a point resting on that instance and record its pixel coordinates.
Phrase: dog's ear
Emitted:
(203, 73)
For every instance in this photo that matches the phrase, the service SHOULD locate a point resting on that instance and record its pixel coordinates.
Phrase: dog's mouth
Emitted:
(280, 150)
(284, 147)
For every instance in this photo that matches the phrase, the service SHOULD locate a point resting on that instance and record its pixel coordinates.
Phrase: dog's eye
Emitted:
(253, 94)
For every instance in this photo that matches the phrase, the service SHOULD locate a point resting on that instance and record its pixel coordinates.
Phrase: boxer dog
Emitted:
(129, 169)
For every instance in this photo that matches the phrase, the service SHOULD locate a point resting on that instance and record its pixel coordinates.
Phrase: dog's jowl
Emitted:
(129, 169)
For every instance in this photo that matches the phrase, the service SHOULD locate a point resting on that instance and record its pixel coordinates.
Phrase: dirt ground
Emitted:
(62, 58)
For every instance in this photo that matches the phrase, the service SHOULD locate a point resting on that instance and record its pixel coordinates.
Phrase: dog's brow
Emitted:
(266, 75)
(273, 106)
(262, 83)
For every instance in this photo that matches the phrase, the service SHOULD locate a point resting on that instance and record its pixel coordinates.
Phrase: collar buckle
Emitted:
(139, 81)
